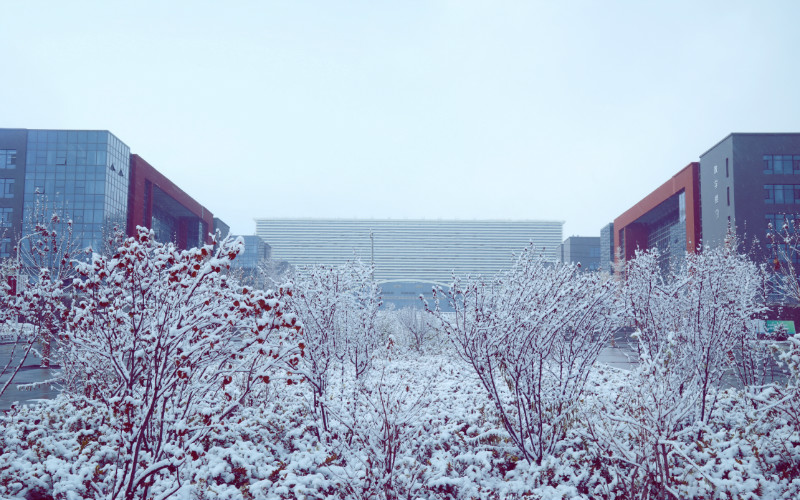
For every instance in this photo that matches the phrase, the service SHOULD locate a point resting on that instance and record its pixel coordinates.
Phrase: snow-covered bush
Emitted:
(177, 385)
(532, 335)
(41, 271)
(338, 306)
(417, 326)
(692, 327)
(164, 351)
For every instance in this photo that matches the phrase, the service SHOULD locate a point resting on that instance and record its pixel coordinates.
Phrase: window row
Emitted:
(60, 157)
(8, 158)
(781, 164)
(781, 193)
(776, 222)
(68, 136)
(65, 187)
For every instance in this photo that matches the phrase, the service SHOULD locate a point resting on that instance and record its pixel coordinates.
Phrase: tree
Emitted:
(162, 347)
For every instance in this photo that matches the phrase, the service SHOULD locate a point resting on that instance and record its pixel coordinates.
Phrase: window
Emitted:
(782, 164)
(6, 188)
(775, 194)
(729, 195)
(8, 158)
(5, 247)
(5, 217)
(727, 170)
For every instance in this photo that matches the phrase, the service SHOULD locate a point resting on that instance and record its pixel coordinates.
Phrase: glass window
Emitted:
(6, 188)
(5, 247)
(781, 164)
(6, 214)
(8, 158)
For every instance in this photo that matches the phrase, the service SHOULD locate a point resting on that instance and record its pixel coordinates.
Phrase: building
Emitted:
(607, 250)
(748, 181)
(667, 219)
(583, 250)
(256, 252)
(93, 178)
(410, 256)
(221, 227)
(156, 202)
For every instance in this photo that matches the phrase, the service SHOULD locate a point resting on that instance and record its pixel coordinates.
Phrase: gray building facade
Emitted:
(583, 250)
(410, 255)
(747, 181)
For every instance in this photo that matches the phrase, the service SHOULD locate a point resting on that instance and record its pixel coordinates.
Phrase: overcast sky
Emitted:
(570, 111)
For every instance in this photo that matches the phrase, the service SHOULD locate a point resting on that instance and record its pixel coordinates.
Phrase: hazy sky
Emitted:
(407, 109)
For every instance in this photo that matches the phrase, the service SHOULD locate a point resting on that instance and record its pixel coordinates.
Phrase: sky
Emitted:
(430, 109)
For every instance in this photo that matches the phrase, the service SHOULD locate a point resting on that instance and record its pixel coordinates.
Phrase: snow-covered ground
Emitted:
(420, 427)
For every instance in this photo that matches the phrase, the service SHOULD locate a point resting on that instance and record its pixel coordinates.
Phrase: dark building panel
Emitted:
(221, 227)
(583, 250)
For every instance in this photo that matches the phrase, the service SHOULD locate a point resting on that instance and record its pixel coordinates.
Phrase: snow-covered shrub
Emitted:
(705, 310)
(417, 327)
(41, 272)
(338, 306)
(532, 335)
(786, 398)
(644, 419)
(165, 351)
(691, 326)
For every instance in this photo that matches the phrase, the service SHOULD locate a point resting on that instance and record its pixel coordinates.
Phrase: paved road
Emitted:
(29, 373)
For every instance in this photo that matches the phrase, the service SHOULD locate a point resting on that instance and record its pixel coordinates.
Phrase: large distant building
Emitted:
(410, 255)
(91, 176)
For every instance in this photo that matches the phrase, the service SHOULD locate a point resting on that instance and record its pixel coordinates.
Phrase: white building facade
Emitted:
(410, 251)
